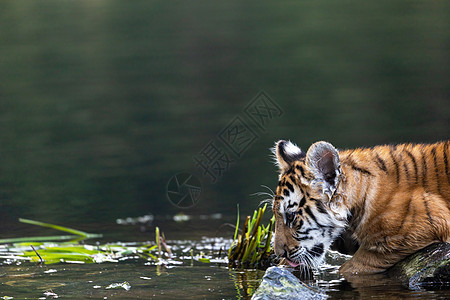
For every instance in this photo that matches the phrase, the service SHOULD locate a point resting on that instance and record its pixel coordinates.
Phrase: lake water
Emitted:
(183, 276)
(104, 106)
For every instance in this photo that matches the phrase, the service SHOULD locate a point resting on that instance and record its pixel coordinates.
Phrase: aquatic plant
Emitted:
(50, 252)
(76, 235)
(251, 248)
(50, 249)
(44, 249)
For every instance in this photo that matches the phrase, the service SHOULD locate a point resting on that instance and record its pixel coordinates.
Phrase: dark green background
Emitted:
(101, 102)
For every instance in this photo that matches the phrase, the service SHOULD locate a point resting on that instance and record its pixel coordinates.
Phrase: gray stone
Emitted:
(280, 283)
(428, 268)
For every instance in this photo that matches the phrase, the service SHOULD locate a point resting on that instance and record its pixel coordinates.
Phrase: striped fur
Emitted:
(395, 200)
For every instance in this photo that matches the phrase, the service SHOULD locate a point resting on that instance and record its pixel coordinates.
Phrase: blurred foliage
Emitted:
(102, 102)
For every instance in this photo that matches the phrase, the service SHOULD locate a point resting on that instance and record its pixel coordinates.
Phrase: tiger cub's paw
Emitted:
(352, 267)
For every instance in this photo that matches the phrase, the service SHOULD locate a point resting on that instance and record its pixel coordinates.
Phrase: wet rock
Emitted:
(280, 283)
(428, 268)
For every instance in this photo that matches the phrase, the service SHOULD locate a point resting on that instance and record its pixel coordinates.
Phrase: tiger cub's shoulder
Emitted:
(406, 164)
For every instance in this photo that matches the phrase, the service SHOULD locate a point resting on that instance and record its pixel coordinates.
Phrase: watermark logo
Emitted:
(183, 190)
(238, 136)
(216, 157)
(262, 110)
(213, 161)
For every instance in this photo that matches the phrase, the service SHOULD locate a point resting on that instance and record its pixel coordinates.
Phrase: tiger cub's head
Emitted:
(308, 212)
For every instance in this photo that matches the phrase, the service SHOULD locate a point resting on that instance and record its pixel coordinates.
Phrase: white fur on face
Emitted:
(317, 233)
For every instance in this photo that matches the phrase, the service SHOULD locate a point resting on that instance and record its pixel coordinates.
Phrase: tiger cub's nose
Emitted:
(281, 251)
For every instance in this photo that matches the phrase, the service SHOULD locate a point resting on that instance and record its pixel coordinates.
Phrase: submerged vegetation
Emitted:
(73, 249)
(249, 248)
(50, 253)
(44, 249)
(76, 235)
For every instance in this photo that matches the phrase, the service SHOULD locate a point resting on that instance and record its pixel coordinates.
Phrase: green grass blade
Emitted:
(235, 235)
(256, 222)
(158, 240)
(237, 224)
(252, 223)
(249, 250)
(264, 208)
(56, 227)
(38, 239)
(269, 234)
(150, 248)
(51, 258)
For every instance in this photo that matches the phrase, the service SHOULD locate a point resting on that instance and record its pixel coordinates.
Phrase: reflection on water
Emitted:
(185, 282)
(196, 269)
(103, 102)
(246, 282)
(182, 277)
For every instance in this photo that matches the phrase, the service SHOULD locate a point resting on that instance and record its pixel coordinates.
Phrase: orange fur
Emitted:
(406, 205)
(397, 199)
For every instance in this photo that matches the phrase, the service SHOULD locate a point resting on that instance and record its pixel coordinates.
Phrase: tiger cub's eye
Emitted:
(289, 217)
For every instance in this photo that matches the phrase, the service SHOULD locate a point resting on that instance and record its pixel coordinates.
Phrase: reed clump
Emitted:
(252, 247)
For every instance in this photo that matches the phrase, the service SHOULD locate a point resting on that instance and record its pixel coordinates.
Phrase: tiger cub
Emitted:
(394, 199)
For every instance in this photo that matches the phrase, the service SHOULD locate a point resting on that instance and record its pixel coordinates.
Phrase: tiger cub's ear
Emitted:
(323, 160)
(285, 154)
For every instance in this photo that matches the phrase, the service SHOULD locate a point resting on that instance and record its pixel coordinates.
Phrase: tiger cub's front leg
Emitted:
(367, 262)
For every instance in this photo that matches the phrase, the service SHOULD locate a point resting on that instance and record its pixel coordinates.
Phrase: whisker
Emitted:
(269, 200)
(312, 260)
(270, 190)
(262, 194)
(304, 268)
(258, 194)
